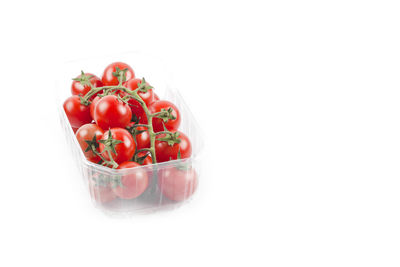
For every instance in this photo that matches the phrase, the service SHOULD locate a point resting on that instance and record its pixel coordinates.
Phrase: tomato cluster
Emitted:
(120, 122)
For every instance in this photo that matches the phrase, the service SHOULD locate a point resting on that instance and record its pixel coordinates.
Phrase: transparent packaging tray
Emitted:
(152, 199)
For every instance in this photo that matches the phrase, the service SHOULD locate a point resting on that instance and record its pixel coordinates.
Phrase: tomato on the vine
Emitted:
(124, 149)
(166, 152)
(110, 112)
(143, 138)
(110, 75)
(147, 160)
(133, 184)
(171, 124)
(77, 113)
(137, 110)
(177, 183)
(147, 97)
(79, 89)
(86, 134)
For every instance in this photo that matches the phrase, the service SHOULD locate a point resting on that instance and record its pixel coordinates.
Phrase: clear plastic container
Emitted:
(160, 191)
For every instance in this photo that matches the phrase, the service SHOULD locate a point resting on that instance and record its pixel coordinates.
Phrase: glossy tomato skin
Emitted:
(136, 109)
(171, 125)
(78, 89)
(125, 150)
(166, 152)
(147, 97)
(110, 112)
(177, 184)
(109, 79)
(86, 133)
(133, 184)
(77, 113)
(101, 193)
(142, 139)
(93, 105)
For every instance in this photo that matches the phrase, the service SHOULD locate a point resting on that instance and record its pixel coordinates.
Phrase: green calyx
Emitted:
(143, 86)
(84, 79)
(165, 115)
(170, 138)
(110, 143)
(120, 74)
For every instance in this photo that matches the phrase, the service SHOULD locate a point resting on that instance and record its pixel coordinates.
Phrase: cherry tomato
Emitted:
(142, 139)
(156, 98)
(147, 160)
(93, 105)
(147, 97)
(166, 152)
(136, 109)
(108, 77)
(171, 125)
(110, 112)
(77, 113)
(78, 89)
(132, 184)
(86, 133)
(125, 150)
(101, 193)
(177, 184)
(74, 129)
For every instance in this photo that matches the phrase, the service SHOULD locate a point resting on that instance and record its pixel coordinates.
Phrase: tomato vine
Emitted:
(164, 114)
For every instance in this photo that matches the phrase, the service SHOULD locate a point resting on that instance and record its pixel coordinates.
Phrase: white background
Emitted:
(299, 102)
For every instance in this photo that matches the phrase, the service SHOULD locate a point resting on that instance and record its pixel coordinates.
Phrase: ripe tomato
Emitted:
(166, 152)
(124, 151)
(142, 139)
(93, 105)
(110, 112)
(171, 125)
(133, 184)
(136, 109)
(108, 77)
(77, 113)
(78, 89)
(177, 184)
(147, 160)
(156, 98)
(147, 97)
(86, 133)
(101, 193)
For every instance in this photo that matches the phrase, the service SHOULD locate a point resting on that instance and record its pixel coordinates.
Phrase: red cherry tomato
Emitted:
(147, 160)
(77, 113)
(78, 89)
(147, 97)
(142, 139)
(136, 109)
(171, 125)
(93, 105)
(125, 150)
(132, 184)
(108, 77)
(177, 184)
(101, 193)
(86, 133)
(166, 152)
(110, 112)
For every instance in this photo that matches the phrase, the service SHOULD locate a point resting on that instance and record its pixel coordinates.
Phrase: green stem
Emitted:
(132, 94)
